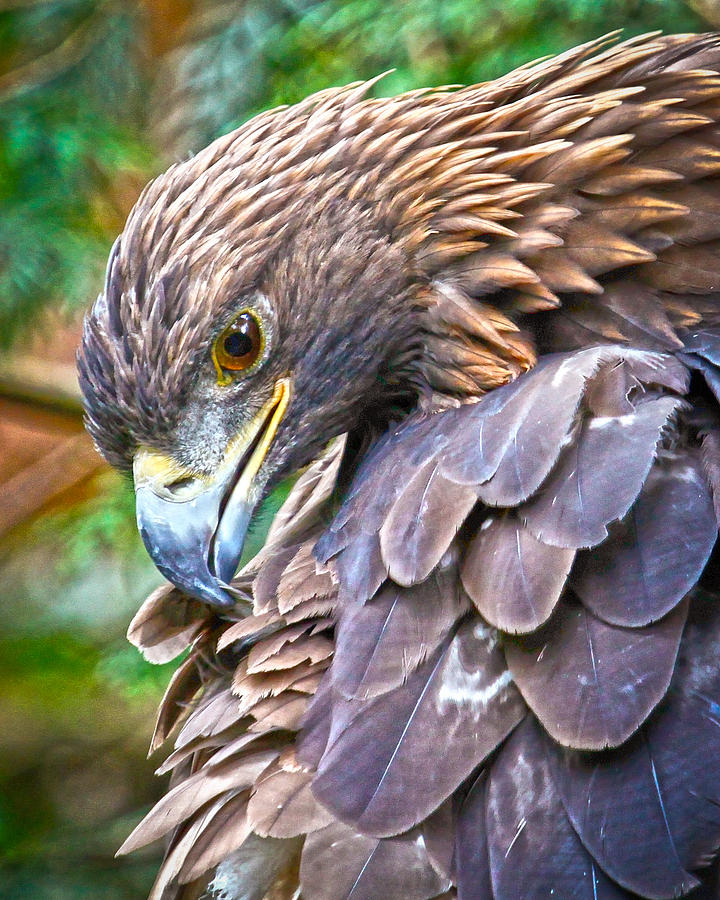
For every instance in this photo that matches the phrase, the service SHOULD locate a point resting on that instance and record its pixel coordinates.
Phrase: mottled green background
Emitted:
(95, 97)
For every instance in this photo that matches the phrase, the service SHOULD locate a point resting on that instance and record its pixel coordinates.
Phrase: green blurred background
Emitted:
(95, 97)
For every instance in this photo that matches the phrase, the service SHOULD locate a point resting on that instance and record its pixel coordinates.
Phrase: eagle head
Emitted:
(253, 309)
(306, 275)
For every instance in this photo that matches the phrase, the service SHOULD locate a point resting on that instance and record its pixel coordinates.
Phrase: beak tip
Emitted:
(220, 599)
(195, 537)
(211, 591)
(178, 540)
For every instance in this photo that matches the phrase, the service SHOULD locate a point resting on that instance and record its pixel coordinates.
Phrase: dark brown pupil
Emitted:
(238, 344)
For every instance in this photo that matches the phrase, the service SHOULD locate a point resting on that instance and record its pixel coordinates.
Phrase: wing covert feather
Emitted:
(533, 850)
(513, 578)
(575, 506)
(592, 684)
(670, 769)
(341, 864)
(381, 772)
(546, 443)
(380, 643)
(657, 553)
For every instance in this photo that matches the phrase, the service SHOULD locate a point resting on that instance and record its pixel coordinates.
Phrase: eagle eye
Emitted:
(239, 346)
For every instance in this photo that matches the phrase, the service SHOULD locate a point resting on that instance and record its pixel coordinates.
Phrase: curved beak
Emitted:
(194, 526)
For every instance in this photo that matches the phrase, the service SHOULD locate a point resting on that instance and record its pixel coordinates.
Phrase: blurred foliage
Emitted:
(77, 702)
(96, 96)
(70, 146)
(278, 51)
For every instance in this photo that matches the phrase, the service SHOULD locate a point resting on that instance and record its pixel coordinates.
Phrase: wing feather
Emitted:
(341, 864)
(380, 643)
(282, 804)
(533, 851)
(513, 578)
(592, 684)
(652, 559)
(576, 506)
(381, 772)
(670, 770)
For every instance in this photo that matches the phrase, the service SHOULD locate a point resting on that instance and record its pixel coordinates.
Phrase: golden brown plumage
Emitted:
(477, 654)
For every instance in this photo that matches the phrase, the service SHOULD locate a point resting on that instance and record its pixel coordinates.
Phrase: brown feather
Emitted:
(226, 831)
(284, 711)
(338, 863)
(304, 580)
(183, 686)
(380, 643)
(514, 579)
(380, 771)
(166, 624)
(215, 711)
(282, 804)
(192, 793)
(575, 675)
(651, 560)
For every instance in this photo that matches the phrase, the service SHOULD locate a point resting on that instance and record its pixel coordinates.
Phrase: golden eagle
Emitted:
(479, 654)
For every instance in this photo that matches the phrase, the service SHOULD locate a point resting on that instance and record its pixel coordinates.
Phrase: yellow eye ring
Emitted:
(239, 346)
